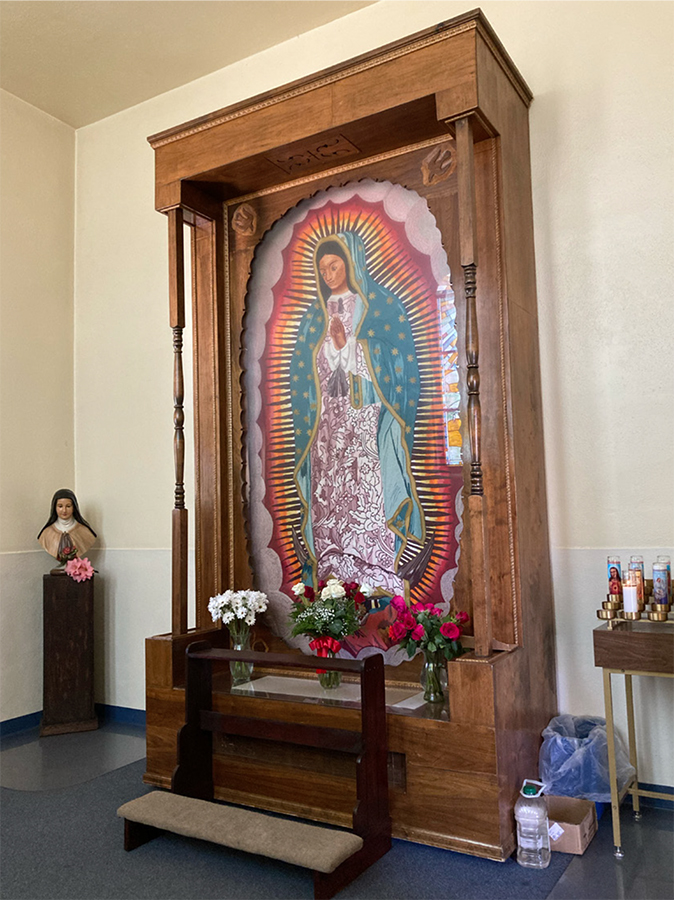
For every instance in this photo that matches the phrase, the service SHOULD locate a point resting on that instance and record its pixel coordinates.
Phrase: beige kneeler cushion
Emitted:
(299, 843)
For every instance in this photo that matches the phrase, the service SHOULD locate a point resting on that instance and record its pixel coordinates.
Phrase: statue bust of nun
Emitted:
(66, 533)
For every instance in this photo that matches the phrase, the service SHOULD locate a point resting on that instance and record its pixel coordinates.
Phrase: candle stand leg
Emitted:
(632, 735)
(615, 799)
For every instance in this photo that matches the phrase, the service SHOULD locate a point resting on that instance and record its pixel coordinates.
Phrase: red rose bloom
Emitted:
(397, 632)
(450, 631)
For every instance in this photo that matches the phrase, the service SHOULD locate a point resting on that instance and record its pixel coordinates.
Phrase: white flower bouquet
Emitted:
(238, 610)
(234, 607)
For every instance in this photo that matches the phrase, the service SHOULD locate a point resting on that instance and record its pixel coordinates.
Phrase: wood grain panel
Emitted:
(420, 74)
(468, 21)
(453, 803)
(518, 729)
(471, 692)
(206, 310)
(337, 794)
(641, 646)
(497, 470)
(158, 666)
(286, 755)
(453, 842)
(68, 655)
(444, 745)
(246, 136)
(361, 94)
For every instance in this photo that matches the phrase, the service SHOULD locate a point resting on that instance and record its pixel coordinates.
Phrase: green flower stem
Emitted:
(329, 679)
(434, 661)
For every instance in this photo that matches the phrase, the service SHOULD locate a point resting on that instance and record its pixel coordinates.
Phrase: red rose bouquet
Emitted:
(424, 626)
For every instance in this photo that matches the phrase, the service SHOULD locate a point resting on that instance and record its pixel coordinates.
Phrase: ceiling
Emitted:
(83, 60)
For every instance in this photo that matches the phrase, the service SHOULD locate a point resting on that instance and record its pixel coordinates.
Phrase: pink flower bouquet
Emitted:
(423, 626)
(79, 569)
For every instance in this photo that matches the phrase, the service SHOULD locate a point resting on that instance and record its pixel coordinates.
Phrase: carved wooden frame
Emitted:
(452, 81)
(220, 489)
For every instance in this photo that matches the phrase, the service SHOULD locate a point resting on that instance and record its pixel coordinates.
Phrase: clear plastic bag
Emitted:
(573, 760)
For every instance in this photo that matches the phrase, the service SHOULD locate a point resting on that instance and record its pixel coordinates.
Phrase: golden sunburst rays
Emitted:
(398, 268)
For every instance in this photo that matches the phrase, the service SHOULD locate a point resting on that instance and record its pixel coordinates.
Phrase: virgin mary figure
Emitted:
(355, 390)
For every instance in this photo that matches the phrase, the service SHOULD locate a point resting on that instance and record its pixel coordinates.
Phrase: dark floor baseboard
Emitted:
(20, 723)
(123, 714)
(655, 801)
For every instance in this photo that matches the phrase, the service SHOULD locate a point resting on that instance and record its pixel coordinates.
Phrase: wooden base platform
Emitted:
(454, 774)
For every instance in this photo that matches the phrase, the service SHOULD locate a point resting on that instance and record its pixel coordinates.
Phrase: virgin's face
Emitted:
(333, 273)
(64, 508)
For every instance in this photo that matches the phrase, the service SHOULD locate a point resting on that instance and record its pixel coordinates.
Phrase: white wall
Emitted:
(37, 169)
(601, 136)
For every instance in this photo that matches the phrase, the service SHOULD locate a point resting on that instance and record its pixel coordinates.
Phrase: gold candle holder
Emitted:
(632, 616)
(660, 607)
(657, 616)
(612, 604)
(606, 614)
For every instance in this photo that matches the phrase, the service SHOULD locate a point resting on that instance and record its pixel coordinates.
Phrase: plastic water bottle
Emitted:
(531, 814)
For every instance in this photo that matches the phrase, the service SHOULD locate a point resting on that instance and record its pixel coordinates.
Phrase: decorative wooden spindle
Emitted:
(479, 547)
(179, 518)
(473, 378)
(178, 419)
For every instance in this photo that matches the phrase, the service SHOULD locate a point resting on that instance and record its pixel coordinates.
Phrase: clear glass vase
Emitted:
(329, 679)
(239, 639)
(434, 676)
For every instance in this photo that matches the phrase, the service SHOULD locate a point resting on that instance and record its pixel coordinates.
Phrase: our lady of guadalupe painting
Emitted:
(353, 409)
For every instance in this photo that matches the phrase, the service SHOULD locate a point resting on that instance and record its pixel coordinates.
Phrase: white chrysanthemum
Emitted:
(232, 605)
(215, 606)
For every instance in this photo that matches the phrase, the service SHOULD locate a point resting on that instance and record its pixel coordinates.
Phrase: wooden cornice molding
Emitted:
(470, 21)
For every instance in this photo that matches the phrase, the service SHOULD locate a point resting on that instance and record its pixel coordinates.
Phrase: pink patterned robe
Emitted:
(351, 537)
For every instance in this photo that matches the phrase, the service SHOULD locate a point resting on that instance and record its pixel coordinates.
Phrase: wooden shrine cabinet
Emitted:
(436, 124)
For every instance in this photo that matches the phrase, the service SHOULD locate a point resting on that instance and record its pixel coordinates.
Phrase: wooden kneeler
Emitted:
(336, 856)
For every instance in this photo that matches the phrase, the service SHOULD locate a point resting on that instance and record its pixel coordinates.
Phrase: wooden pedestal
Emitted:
(68, 687)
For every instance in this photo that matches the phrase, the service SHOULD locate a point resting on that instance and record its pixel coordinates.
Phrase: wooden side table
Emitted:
(630, 648)
(68, 686)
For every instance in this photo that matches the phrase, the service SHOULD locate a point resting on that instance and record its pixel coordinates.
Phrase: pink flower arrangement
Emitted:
(79, 569)
(423, 626)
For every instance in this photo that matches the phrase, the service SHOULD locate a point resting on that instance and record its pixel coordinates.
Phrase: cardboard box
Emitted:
(577, 820)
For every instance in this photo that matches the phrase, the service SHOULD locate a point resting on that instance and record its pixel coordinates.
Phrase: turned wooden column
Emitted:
(68, 665)
(180, 518)
(479, 556)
